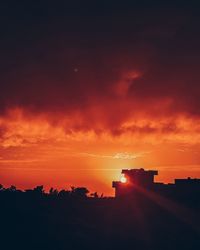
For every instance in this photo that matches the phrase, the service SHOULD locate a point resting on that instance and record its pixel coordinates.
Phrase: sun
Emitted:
(123, 179)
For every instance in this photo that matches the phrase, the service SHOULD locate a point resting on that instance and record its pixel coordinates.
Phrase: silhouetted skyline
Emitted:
(145, 215)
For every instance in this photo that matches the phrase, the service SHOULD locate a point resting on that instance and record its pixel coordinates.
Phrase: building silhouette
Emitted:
(135, 180)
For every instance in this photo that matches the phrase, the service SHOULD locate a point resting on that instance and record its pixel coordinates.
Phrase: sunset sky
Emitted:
(91, 87)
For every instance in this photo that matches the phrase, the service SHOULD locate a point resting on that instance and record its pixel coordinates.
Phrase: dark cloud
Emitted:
(70, 58)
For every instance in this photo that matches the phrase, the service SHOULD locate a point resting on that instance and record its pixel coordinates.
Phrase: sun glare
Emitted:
(123, 179)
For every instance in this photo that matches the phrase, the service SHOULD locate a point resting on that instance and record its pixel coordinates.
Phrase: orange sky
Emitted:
(34, 151)
(87, 89)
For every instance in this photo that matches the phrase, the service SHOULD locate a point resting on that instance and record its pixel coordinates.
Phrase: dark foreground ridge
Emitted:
(144, 215)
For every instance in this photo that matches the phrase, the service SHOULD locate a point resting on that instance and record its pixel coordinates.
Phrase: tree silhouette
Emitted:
(53, 192)
(94, 195)
(79, 192)
(64, 193)
(12, 188)
(39, 189)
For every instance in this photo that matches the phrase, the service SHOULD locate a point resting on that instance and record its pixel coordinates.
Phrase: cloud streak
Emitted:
(118, 156)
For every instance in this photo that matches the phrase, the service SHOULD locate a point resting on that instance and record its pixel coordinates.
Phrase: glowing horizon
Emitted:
(35, 151)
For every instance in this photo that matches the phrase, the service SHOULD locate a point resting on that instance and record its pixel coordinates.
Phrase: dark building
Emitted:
(189, 182)
(134, 180)
(132, 177)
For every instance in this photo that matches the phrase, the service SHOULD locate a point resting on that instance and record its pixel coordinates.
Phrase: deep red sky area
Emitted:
(90, 88)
